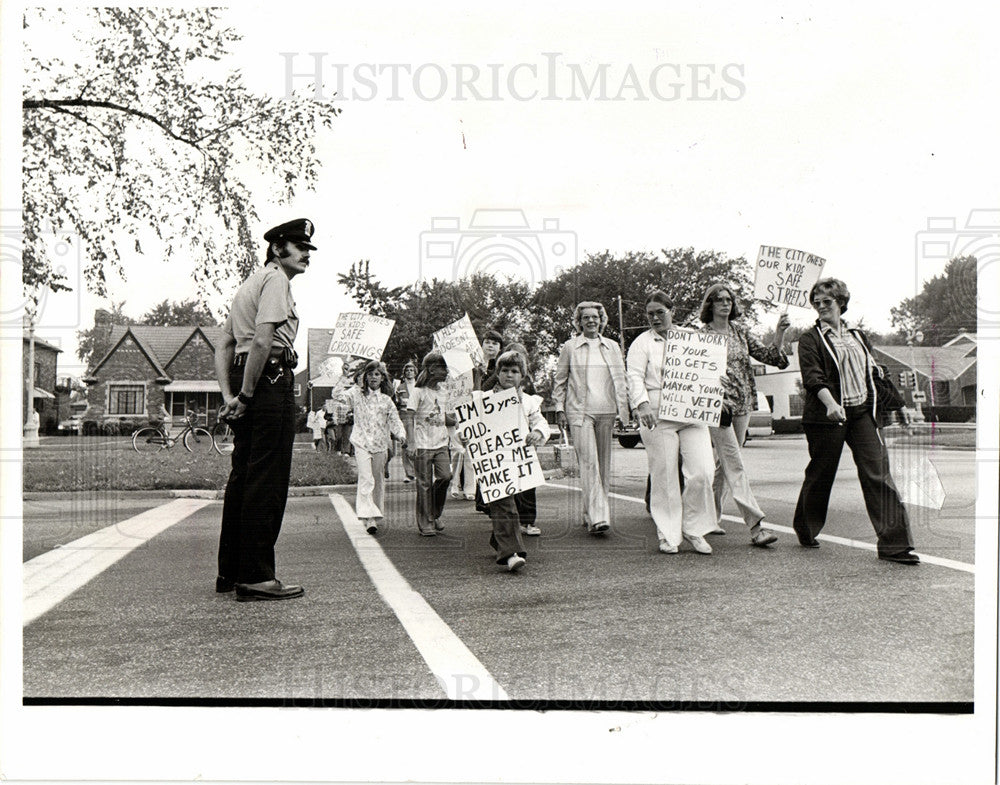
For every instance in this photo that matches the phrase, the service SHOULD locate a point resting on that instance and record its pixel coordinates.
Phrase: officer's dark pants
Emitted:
(886, 511)
(258, 483)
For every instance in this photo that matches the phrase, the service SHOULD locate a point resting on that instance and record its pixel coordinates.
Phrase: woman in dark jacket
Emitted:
(837, 373)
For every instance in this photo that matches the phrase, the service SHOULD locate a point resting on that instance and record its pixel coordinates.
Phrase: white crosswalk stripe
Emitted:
(456, 669)
(52, 577)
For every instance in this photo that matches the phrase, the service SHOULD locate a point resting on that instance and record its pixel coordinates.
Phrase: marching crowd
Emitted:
(693, 468)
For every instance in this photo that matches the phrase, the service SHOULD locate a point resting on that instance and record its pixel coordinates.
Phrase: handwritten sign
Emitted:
(784, 276)
(460, 335)
(361, 335)
(495, 427)
(457, 388)
(692, 364)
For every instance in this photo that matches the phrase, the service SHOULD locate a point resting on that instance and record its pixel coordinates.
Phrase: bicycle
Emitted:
(222, 437)
(153, 438)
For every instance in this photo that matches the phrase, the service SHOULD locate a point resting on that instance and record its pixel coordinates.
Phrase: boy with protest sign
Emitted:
(504, 460)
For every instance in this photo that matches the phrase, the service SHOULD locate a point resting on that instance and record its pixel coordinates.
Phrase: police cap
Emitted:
(300, 231)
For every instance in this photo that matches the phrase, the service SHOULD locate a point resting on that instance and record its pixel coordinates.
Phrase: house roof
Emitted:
(935, 362)
(159, 343)
(39, 343)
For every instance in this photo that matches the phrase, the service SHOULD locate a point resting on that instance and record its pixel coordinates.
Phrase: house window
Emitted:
(126, 399)
(38, 374)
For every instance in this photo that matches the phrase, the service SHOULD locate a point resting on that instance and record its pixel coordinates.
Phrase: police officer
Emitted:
(254, 363)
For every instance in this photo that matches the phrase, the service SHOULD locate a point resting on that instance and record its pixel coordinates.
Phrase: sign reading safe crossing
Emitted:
(361, 335)
(495, 427)
(692, 364)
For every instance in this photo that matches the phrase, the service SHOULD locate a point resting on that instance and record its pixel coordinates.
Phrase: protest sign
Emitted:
(784, 276)
(458, 361)
(456, 389)
(460, 335)
(495, 427)
(692, 364)
(361, 335)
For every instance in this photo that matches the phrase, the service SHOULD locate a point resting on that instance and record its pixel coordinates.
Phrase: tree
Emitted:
(139, 131)
(92, 343)
(182, 314)
(682, 273)
(945, 306)
(431, 305)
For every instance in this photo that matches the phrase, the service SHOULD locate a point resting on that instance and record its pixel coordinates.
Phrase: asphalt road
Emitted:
(588, 619)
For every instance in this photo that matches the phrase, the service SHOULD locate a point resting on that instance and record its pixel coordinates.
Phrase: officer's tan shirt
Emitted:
(265, 297)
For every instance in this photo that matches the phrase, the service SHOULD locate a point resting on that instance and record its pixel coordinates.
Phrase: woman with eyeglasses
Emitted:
(838, 375)
(718, 310)
(678, 515)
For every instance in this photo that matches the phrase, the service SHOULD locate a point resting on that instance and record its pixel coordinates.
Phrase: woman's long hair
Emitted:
(386, 385)
(431, 360)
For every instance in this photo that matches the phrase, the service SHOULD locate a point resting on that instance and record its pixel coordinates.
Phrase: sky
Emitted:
(838, 129)
(826, 129)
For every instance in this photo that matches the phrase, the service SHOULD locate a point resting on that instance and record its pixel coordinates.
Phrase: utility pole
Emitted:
(30, 423)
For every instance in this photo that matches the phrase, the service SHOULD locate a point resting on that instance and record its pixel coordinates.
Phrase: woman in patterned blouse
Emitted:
(375, 423)
(718, 310)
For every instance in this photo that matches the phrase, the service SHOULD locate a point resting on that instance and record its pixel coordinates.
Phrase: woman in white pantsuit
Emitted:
(690, 514)
(589, 391)
(375, 423)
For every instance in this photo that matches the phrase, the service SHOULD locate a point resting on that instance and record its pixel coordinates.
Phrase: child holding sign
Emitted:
(511, 369)
(427, 442)
(376, 422)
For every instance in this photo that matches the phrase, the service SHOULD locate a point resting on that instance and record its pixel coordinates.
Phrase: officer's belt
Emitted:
(277, 353)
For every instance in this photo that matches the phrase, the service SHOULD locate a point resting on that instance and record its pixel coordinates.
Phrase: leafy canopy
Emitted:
(135, 129)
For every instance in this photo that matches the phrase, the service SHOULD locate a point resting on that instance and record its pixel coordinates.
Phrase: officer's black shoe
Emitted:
(267, 590)
(906, 557)
(223, 585)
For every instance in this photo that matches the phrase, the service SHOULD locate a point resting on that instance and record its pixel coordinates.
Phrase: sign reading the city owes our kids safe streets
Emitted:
(784, 276)
(361, 335)
(692, 364)
(494, 426)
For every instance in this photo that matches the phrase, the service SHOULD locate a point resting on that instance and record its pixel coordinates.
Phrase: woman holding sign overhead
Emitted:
(689, 515)
(718, 310)
(838, 374)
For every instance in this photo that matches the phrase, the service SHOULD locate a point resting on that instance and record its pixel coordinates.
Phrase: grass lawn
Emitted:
(925, 435)
(110, 463)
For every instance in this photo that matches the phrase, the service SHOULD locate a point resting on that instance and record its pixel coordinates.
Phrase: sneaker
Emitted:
(666, 547)
(600, 528)
(455, 495)
(698, 543)
(470, 497)
(429, 532)
(531, 530)
(438, 526)
(514, 563)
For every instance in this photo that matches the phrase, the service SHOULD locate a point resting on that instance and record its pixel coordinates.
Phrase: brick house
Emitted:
(145, 367)
(44, 374)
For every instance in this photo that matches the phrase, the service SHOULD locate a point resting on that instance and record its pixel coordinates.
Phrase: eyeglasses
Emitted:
(822, 303)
